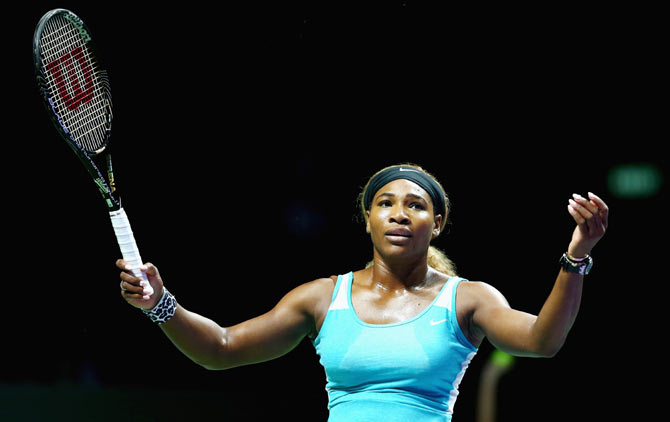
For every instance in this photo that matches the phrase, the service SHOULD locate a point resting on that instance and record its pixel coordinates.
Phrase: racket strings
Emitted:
(79, 91)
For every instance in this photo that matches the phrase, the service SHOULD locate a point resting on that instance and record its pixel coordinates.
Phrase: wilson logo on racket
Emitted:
(67, 71)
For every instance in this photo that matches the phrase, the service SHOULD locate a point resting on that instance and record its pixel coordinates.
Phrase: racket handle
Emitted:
(124, 235)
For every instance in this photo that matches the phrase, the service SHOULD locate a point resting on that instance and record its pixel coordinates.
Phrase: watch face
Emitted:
(588, 267)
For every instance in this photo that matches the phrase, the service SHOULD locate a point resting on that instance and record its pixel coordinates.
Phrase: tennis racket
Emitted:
(76, 92)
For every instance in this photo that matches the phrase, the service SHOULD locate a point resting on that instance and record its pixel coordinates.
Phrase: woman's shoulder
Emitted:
(315, 289)
(478, 290)
(476, 295)
(319, 292)
(315, 295)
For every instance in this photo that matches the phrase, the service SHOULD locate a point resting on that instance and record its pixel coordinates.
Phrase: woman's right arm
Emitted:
(259, 339)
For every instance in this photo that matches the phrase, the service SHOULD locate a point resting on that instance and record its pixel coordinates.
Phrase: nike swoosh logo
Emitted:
(402, 169)
(437, 322)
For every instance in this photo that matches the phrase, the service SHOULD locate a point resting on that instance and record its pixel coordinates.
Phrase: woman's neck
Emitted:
(400, 275)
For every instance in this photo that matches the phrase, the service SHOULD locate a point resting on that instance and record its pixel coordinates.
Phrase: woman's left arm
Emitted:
(523, 334)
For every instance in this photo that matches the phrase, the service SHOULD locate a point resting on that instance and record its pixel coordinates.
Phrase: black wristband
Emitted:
(581, 266)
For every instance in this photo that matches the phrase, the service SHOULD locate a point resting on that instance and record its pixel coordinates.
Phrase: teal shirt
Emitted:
(407, 371)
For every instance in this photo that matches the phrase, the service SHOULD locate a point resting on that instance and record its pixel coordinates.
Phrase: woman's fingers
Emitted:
(128, 295)
(599, 202)
(572, 209)
(589, 206)
(591, 213)
(132, 291)
(121, 264)
(127, 275)
(132, 288)
(581, 211)
(138, 291)
(130, 278)
(586, 212)
(602, 207)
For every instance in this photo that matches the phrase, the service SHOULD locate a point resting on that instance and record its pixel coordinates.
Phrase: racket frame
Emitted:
(106, 187)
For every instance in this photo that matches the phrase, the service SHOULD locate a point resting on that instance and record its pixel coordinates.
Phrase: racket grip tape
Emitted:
(124, 235)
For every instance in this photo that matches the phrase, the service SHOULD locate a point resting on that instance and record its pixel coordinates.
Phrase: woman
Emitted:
(396, 337)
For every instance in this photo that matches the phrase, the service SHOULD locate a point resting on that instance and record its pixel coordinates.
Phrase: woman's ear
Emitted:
(438, 224)
(367, 222)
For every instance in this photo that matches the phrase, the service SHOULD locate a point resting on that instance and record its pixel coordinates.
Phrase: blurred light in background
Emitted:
(635, 180)
(501, 359)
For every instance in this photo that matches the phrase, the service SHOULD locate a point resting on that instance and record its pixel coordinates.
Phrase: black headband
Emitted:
(412, 174)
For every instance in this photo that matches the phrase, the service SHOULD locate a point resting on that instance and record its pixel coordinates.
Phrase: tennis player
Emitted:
(396, 337)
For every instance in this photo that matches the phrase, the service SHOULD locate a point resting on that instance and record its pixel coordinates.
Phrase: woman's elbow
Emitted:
(217, 357)
(548, 350)
(535, 349)
(214, 364)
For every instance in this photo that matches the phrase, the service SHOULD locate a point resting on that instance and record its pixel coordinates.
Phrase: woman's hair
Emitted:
(436, 258)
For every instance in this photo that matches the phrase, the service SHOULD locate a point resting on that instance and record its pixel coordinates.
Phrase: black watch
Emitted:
(579, 266)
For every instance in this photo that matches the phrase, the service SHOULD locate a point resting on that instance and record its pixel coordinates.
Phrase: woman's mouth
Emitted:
(398, 236)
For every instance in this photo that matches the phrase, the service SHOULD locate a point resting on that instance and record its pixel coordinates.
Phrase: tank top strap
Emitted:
(340, 300)
(447, 297)
(448, 301)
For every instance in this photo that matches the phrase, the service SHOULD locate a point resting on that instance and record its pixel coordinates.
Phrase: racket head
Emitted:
(72, 81)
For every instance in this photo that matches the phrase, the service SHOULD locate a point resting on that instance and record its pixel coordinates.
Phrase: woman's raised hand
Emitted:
(591, 216)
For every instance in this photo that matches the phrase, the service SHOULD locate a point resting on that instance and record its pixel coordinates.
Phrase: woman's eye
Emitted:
(417, 206)
(385, 203)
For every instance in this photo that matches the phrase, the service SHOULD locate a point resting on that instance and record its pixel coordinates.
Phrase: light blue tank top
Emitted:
(407, 371)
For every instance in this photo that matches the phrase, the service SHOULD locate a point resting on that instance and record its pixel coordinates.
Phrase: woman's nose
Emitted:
(399, 216)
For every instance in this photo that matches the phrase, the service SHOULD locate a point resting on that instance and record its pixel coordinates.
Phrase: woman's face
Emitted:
(401, 220)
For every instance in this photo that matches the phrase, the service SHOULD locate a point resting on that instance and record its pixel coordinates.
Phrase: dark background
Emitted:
(242, 137)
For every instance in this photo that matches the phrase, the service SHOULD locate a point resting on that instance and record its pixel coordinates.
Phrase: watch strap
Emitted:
(576, 265)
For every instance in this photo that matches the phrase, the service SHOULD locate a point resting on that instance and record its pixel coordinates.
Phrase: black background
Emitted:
(242, 137)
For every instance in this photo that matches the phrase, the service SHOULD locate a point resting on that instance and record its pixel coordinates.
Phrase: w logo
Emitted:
(69, 72)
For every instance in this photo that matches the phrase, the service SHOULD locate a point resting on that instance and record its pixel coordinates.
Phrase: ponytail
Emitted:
(441, 262)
